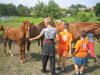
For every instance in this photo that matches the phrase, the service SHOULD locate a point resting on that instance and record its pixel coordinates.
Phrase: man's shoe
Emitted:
(53, 73)
(43, 71)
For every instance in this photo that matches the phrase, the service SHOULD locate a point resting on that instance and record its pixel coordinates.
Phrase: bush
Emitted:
(91, 14)
(82, 16)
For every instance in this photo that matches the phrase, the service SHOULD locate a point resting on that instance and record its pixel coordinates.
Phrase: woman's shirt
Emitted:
(90, 37)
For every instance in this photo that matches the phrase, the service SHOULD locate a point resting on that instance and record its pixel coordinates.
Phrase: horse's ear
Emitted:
(24, 22)
(2, 25)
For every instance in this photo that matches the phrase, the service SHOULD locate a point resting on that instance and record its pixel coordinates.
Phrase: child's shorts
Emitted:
(62, 52)
(80, 61)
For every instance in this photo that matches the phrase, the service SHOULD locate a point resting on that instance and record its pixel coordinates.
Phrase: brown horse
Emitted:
(76, 27)
(20, 34)
(34, 31)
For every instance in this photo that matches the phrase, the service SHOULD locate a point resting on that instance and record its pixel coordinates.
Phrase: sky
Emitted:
(62, 3)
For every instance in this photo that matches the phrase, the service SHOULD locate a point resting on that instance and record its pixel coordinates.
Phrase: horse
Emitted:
(75, 28)
(20, 34)
(34, 31)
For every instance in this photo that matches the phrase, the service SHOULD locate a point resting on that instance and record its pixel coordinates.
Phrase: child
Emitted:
(48, 50)
(91, 46)
(64, 45)
(81, 52)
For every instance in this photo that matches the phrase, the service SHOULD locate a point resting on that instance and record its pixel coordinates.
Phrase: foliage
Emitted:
(11, 9)
(82, 16)
(97, 9)
(74, 9)
(77, 6)
(91, 14)
(52, 9)
(3, 10)
(23, 11)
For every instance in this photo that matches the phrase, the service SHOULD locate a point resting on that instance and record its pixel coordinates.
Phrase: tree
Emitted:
(3, 10)
(52, 9)
(11, 9)
(97, 9)
(75, 9)
(23, 11)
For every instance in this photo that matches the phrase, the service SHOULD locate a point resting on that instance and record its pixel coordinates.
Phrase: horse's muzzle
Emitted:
(27, 37)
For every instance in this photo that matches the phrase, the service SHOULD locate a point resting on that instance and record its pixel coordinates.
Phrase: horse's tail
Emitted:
(2, 28)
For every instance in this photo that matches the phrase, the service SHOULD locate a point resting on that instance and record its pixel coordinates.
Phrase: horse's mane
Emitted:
(41, 24)
(1, 27)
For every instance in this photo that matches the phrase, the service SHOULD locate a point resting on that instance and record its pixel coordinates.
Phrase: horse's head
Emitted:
(27, 26)
(1, 28)
(97, 34)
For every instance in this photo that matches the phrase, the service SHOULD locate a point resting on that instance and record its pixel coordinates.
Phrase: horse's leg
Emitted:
(28, 47)
(23, 50)
(38, 49)
(10, 42)
(5, 43)
(20, 46)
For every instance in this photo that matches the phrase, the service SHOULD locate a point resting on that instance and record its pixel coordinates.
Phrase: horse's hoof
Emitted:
(24, 60)
(21, 61)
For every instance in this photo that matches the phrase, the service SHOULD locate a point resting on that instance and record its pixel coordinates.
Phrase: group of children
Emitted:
(64, 42)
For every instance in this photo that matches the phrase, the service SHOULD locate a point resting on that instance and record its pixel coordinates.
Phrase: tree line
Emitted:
(12, 10)
(42, 10)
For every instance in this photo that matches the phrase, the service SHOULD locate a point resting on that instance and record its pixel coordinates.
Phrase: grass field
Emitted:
(12, 66)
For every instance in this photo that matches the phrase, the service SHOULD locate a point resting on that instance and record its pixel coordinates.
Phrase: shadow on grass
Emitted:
(92, 68)
(35, 57)
(68, 69)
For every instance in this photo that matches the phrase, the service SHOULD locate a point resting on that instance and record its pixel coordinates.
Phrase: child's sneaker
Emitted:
(76, 73)
(81, 73)
(58, 68)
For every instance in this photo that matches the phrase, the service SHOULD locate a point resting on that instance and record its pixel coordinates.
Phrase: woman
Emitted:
(91, 46)
(48, 50)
